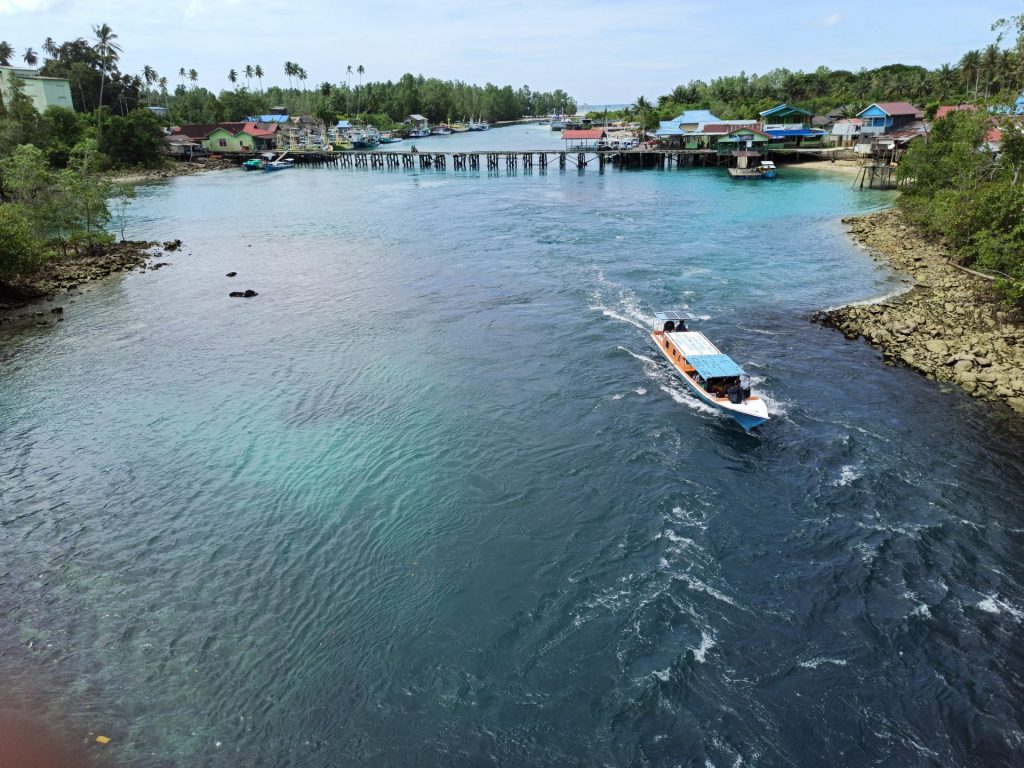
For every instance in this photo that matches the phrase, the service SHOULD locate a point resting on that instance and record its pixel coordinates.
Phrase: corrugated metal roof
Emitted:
(714, 366)
(692, 343)
(893, 108)
(585, 134)
(695, 116)
(785, 109)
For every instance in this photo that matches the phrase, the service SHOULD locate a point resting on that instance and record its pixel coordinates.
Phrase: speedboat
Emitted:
(713, 377)
(279, 165)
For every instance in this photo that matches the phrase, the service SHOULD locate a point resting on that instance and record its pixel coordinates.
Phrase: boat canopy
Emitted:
(715, 366)
(674, 314)
(692, 343)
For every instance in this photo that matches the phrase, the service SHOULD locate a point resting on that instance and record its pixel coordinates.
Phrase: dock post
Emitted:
(561, 160)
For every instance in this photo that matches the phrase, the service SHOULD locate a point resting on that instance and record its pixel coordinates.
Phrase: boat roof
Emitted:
(692, 343)
(714, 366)
(674, 314)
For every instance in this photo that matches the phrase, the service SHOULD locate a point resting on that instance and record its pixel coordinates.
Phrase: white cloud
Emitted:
(13, 7)
(828, 21)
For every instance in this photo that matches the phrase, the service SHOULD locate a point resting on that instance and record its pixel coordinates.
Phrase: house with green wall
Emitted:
(230, 137)
(43, 91)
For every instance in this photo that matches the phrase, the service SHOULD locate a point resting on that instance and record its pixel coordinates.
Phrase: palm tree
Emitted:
(248, 74)
(232, 77)
(990, 63)
(181, 74)
(258, 72)
(30, 57)
(149, 75)
(289, 70)
(108, 52)
(943, 79)
(970, 68)
(6, 51)
(348, 72)
(193, 77)
(49, 47)
(360, 70)
(163, 90)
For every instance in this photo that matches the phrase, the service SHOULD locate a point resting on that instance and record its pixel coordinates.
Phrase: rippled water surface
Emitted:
(432, 498)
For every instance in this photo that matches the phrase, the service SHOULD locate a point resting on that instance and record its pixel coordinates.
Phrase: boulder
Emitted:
(936, 346)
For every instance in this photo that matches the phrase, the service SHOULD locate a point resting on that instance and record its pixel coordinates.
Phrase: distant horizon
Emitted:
(613, 56)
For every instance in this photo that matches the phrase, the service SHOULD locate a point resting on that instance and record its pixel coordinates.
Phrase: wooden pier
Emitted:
(527, 160)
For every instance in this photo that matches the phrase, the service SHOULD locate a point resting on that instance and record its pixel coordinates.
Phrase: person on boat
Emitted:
(669, 326)
(735, 393)
(681, 326)
(413, 149)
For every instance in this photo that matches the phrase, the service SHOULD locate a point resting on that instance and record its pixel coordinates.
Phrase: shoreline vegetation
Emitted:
(951, 326)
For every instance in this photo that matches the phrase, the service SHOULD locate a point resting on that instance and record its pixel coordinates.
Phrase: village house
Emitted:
(888, 116)
(790, 126)
(43, 91)
(227, 137)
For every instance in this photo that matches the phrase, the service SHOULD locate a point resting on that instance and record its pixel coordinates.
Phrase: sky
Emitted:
(598, 51)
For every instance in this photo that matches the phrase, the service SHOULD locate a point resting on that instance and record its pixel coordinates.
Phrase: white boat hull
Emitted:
(750, 413)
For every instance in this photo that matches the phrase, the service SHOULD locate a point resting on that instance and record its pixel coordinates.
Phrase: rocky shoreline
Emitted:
(171, 169)
(57, 278)
(949, 326)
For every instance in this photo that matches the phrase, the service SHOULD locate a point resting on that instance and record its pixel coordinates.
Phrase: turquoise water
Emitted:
(432, 498)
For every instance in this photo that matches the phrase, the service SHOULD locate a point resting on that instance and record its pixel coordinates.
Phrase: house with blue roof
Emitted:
(673, 132)
(791, 126)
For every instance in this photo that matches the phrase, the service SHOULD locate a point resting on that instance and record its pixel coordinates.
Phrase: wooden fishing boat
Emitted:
(713, 377)
(254, 164)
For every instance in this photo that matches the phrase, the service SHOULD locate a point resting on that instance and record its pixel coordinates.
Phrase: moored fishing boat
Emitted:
(255, 164)
(279, 165)
(713, 377)
(389, 138)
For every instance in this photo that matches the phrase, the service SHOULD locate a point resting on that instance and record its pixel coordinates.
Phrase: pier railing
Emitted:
(525, 159)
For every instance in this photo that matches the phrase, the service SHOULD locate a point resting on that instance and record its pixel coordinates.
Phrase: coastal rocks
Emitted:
(949, 326)
(57, 277)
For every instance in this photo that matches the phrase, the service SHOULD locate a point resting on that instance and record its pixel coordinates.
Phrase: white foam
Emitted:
(640, 391)
(707, 642)
(663, 674)
(681, 397)
(815, 663)
(618, 397)
(992, 604)
(687, 517)
(699, 586)
(847, 475)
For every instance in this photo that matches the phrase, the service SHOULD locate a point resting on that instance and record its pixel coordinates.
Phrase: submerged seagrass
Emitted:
(432, 498)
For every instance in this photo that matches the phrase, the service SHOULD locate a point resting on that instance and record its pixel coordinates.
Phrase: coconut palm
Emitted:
(289, 70)
(970, 69)
(943, 79)
(6, 51)
(49, 47)
(232, 77)
(31, 58)
(108, 52)
(248, 74)
(258, 72)
(149, 75)
(360, 70)
(181, 74)
(990, 65)
(193, 77)
(163, 90)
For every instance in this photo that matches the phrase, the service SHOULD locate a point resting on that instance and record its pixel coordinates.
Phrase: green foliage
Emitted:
(959, 190)
(19, 248)
(133, 140)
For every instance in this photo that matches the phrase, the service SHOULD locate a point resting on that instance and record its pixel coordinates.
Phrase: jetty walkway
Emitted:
(528, 159)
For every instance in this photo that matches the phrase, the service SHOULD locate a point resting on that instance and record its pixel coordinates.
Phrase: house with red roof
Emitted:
(228, 137)
(585, 138)
(888, 116)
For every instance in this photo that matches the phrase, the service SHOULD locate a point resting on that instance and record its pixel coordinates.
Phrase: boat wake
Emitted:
(668, 384)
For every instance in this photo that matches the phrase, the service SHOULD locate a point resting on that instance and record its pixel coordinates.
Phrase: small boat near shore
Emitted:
(254, 164)
(279, 165)
(713, 377)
